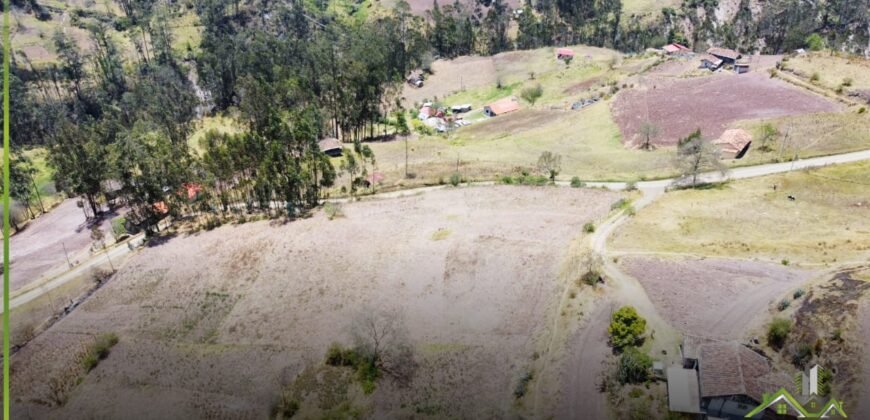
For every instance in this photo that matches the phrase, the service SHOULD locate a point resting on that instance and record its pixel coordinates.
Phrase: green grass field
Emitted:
(588, 141)
(829, 222)
(642, 7)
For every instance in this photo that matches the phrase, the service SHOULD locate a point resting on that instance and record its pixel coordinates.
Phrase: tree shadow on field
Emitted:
(161, 239)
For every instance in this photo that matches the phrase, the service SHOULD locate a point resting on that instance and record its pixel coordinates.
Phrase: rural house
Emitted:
(731, 379)
(710, 62)
(426, 111)
(727, 56)
(501, 106)
(741, 66)
(673, 49)
(330, 146)
(564, 53)
(734, 142)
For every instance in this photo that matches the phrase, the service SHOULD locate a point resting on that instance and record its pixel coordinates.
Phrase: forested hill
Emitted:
(459, 27)
(118, 100)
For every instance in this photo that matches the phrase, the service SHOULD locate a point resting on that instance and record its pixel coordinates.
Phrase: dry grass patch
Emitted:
(828, 222)
(832, 70)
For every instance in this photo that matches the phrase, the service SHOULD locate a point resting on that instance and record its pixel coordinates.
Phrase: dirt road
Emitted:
(588, 350)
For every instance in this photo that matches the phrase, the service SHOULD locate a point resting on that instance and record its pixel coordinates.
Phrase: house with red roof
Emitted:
(501, 106)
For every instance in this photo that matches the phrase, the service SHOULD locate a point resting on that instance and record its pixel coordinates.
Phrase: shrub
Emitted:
(814, 77)
(119, 227)
(455, 179)
(523, 384)
(777, 332)
(783, 304)
(366, 367)
(631, 186)
(98, 350)
(633, 366)
(589, 227)
(799, 293)
(862, 110)
(507, 180)
(630, 211)
(802, 355)
(847, 82)
(577, 183)
(785, 261)
(621, 203)
(626, 327)
(333, 210)
(635, 393)
(287, 408)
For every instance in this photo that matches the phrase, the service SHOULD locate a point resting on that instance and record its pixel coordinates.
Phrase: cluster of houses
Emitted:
(714, 59)
(439, 119)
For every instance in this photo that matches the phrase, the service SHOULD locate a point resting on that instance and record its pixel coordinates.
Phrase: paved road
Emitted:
(35, 290)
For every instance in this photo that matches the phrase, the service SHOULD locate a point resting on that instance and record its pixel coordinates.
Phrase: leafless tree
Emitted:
(695, 154)
(648, 131)
(550, 163)
(381, 336)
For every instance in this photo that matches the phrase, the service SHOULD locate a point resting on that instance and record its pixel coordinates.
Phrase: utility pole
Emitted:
(66, 254)
(106, 251)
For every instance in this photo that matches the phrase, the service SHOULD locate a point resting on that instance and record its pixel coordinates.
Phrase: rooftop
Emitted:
(504, 105)
(724, 53)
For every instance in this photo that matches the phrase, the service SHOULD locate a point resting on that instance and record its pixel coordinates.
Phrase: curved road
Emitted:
(650, 189)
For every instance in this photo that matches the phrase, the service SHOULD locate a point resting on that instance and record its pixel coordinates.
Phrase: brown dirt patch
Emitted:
(212, 324)
(710, 103)
(451, 76)
(713, 298)
(829, 322)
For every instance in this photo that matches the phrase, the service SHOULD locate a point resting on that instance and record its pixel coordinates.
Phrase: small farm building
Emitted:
(727, 56)
(676, 49)
(734, 142)
(564, 53)
(330, 146)
(501, 106)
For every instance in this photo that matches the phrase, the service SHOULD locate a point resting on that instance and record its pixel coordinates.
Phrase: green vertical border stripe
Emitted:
(7, 51)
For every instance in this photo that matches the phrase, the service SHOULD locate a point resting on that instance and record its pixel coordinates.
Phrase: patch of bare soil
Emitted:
(715, 298)
(829, 331)
(45, 243)
(216, 324)
(862, 406)
(451, 76)
(710, 103)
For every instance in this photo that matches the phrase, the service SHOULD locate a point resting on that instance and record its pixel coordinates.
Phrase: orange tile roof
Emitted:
(504, 105)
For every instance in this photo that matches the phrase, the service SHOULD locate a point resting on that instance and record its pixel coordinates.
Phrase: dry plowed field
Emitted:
(710, 103)
(714, 298)
(216, 324)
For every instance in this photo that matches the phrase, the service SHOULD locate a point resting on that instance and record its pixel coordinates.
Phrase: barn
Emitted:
(734, 142)
(564, 53)
(501, 106)
(330, 146)
(727, 56)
